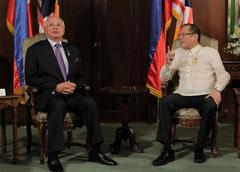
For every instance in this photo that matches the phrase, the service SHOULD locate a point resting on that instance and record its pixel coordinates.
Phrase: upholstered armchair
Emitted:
(189, 117)
(39, 119)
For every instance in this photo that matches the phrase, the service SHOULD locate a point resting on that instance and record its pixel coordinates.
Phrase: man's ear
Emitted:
(195, 36)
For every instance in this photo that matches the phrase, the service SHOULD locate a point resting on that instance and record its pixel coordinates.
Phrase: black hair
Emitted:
(194, 29)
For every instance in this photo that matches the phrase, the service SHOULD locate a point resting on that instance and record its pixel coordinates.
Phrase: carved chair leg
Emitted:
(28, 127)
(41, 136)
(214, 139)
(173, 137)
(70, 138)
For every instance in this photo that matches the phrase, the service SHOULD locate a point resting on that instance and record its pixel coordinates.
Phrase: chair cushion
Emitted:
(69, 118)
(187, 112)
(188, 117)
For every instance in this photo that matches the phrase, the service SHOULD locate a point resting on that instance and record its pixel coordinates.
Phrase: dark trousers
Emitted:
(56, 106)
(172, 103)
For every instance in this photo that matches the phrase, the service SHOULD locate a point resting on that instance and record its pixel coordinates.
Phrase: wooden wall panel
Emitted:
(210, 15)
(120, 59)
(77, 15)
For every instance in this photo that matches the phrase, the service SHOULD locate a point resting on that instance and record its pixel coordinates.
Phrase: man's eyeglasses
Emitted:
(185, 34)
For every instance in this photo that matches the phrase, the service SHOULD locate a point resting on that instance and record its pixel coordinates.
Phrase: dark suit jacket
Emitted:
(42, 70)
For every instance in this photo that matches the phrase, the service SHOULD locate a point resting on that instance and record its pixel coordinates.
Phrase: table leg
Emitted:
(132, 141)
(116, 146)
(125, 133)
(4, 139)
(15, 136)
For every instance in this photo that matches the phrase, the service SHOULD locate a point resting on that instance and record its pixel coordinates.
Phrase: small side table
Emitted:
(125, 132)
(237, 120)
(10, 101)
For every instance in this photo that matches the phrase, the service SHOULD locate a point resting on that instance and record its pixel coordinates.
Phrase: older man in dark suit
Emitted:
(55, 68)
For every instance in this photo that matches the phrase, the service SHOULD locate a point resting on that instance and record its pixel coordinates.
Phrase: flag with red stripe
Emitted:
(10, 15)
(167, 14)
(182, 11)
(19, 22)
(188, 13)
(160, 22)
(162, 12)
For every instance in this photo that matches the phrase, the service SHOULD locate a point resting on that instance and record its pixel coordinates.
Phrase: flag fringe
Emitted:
(154, 91)
(178, 24)
(10, 27)
(168, 24)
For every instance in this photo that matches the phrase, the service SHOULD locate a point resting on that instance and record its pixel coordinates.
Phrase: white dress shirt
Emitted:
(200, 71)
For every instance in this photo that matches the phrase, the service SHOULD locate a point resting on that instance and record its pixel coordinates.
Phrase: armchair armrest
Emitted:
(164, 90)
(32, 92)
(85, 89)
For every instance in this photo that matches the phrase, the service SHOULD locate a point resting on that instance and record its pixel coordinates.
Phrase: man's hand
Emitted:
(216, 95)
(66, 88)
(169, 57)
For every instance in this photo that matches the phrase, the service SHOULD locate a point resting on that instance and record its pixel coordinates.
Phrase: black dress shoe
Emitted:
(54, 165)
(199, 156)
(99, 156)
(164, 158)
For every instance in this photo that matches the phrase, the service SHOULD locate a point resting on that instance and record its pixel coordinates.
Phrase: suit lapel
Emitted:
(68, 55)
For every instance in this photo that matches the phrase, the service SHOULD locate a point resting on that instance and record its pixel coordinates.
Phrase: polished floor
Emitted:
(75, 158)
